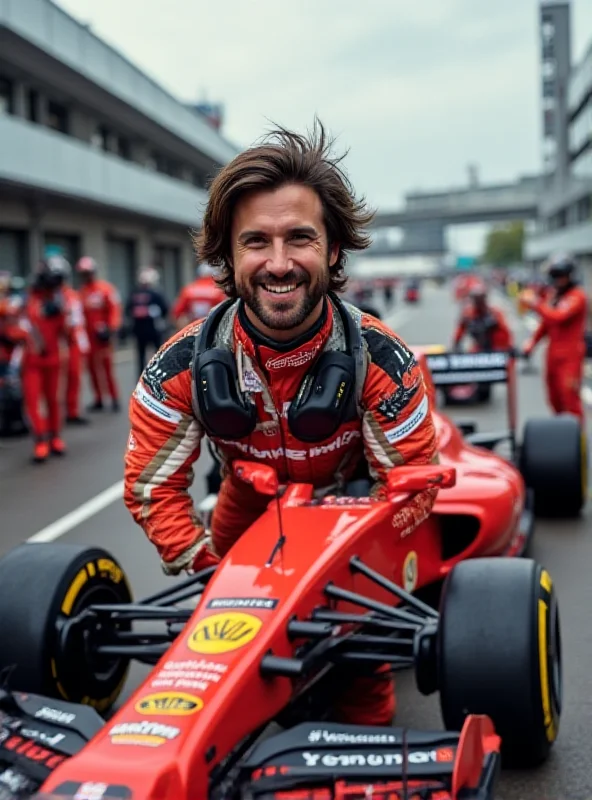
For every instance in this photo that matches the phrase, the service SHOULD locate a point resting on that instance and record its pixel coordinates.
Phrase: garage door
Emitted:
(167, 261)
(13, 252)
(121, 265)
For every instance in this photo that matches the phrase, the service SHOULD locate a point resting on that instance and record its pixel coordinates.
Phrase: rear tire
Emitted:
(41, 587)
(553, 463)
(499, 653)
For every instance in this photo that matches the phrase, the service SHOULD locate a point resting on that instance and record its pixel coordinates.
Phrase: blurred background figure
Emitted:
(147, 310)
(485, 324)
(102, 313)
(11, 351)
(78, 350)
(198, 298)
(42, 331)
(563, 314)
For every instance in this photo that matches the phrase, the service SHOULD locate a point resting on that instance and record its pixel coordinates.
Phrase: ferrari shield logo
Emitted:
(221, 633)
(410, 571)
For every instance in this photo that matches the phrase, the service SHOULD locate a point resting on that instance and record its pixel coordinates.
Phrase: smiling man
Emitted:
(283, 373)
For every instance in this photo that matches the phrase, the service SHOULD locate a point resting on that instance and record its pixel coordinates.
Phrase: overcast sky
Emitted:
(417, 89)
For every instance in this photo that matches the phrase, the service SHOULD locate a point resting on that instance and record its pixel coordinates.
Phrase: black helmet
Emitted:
(561, 266)
(51, 272)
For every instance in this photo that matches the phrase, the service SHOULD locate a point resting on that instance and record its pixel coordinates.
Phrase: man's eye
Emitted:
(255, 240)
(301, 237)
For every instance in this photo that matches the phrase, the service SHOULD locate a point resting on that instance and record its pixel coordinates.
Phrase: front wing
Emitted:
(331, 762)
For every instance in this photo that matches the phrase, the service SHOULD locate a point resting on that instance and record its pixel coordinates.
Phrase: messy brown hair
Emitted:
(283, 158)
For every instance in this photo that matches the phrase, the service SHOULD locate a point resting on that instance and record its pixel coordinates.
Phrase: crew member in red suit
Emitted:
(44, 331)
(102, 312)
(78, 350)
(280, 219)
(198, 299)
(563, 321)
(485, 324)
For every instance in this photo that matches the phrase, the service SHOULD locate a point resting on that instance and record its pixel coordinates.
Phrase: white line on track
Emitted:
(587, 396)
(80, 514)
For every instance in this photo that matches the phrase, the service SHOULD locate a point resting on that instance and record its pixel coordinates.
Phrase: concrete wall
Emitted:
(36, 157)
(94, 230)
(53, 31)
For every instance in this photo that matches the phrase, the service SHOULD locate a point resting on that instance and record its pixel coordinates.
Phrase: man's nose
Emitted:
(279, 263)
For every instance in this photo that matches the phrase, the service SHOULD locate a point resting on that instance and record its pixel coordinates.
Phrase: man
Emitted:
(102, 311)
(563, 321)
(280, 246)
(198, 299)
(485, 324)
(78, 350)
(44, 328)
(147, 309)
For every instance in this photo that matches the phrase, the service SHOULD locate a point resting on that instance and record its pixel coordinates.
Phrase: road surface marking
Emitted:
(80, 514)
(587, 396)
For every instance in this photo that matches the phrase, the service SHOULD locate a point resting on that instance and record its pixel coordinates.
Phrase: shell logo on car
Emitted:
(222, 633)
(410, 571)
(169, 703)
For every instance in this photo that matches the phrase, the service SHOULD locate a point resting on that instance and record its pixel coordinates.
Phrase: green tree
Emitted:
(504, 244)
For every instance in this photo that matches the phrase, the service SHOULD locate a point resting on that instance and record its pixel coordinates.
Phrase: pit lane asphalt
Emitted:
(33, 496)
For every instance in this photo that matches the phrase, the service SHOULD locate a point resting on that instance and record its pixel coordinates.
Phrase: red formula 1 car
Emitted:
(316, 591)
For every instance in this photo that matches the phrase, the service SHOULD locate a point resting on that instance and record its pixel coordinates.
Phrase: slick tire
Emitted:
(553, 463)
(42, 586)
(499, 654)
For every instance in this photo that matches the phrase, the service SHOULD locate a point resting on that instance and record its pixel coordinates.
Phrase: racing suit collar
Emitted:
(261, 340)
(277, 357)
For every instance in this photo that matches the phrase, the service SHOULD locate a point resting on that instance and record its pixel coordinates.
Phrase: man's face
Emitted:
(281, 259)
(561, 281)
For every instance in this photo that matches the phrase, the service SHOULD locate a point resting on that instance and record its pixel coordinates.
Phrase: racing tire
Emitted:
(553, 463)
(499, 654)
(41, 587)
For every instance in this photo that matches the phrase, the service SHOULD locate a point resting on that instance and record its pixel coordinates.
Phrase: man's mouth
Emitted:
(284, 289)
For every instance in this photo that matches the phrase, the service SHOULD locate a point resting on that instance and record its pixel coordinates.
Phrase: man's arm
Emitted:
(461, 329)
(163, 445)
(567, 308)
(397, 427)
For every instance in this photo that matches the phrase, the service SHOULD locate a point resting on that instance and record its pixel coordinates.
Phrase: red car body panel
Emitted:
(216, 658)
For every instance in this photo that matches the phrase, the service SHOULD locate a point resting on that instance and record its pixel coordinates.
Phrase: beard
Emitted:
(276, 313)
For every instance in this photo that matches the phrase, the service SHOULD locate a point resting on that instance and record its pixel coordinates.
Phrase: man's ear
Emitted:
(333, 254)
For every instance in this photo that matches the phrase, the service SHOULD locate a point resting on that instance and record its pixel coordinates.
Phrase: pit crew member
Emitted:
(485, 324)
(563, 322)
(102, 311)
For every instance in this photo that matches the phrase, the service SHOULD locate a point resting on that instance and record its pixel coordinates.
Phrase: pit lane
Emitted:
(35, 496)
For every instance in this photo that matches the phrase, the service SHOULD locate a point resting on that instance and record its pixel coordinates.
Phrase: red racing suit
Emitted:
(78, 349)
(44, 329)
(102, 312)
(563, 321)
(395, 428)
(489, 331)
(196, 300)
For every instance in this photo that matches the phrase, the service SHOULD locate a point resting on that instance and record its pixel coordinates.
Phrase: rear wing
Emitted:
(495, 366)
(448, 369)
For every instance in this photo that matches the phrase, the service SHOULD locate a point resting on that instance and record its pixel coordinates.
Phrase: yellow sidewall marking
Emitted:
(544, 673)
(74, 591)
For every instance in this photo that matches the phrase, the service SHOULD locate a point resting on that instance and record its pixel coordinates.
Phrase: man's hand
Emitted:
(204, 559)
(528, 299)
(103, 334)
